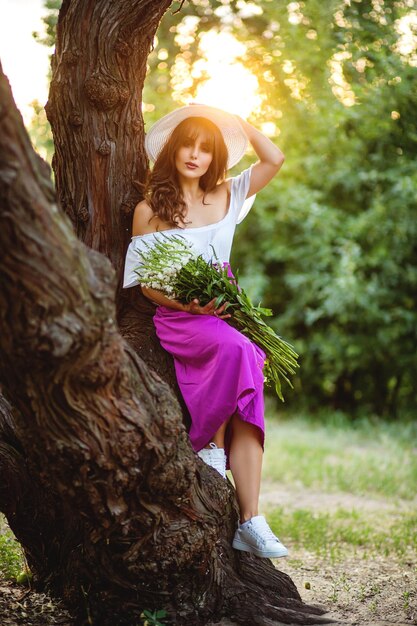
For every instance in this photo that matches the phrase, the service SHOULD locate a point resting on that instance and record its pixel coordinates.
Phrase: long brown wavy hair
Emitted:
(162, 189)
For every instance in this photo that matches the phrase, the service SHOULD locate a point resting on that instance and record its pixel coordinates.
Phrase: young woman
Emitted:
(219, 370)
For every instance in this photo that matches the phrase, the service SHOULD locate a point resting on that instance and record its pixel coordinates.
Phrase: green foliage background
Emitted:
(331, 243)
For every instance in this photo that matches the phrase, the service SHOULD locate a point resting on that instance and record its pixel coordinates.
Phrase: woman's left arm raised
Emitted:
(270, 157)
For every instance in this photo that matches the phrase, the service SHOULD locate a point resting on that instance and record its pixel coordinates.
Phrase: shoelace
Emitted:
(216, 460)
(260, 526)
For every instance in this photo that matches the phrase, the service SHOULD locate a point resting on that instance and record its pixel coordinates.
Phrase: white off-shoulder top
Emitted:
(217, 236)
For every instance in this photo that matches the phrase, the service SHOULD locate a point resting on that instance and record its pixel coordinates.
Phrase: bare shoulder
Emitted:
(143, 219)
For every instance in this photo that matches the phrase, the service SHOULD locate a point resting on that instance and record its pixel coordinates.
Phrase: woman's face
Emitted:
(194, 156)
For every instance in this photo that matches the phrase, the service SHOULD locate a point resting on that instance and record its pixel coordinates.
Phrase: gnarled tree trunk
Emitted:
(98, 480)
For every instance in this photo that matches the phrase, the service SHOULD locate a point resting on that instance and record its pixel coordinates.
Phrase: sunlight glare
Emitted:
(339, 84)
(270, 129)
(234, 90)
(406, 46)
(226, 82)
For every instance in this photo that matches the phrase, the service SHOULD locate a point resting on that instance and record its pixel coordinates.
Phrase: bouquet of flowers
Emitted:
(170, 265)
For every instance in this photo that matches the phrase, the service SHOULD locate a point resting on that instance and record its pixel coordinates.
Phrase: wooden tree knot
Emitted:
(103, 95)
(104, 148)
(122, 48)
(127, 208)
(124, 93)
(137, 125)
(70, 57)
(75, 118)
(83, 214)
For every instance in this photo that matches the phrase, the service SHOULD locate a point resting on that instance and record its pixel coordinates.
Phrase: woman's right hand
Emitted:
(209, 309)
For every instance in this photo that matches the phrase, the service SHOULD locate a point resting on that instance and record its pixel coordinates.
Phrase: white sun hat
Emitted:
(233, 133)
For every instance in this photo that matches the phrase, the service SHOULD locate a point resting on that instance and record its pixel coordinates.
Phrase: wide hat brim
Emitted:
(233, 133)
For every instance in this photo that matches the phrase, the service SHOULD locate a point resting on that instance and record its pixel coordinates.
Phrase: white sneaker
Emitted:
(215, 457)
(255, 536)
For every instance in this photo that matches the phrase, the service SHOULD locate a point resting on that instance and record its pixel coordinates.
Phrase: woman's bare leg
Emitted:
(218, 438)
(245, 460)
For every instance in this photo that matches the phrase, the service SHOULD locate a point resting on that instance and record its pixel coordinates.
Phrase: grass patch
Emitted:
(333, 534)
(361, 458)
(11, 555)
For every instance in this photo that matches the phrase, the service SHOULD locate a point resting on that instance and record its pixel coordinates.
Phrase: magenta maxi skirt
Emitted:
(219, 372)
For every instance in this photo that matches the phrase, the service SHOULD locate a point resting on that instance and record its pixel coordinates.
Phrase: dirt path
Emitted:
(357, 589)
(302, 498)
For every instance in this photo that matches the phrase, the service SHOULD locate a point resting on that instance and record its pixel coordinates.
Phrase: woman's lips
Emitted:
(191, 166)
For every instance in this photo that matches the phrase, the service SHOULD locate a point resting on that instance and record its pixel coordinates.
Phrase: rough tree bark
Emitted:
(98, 480)
(94, 108)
